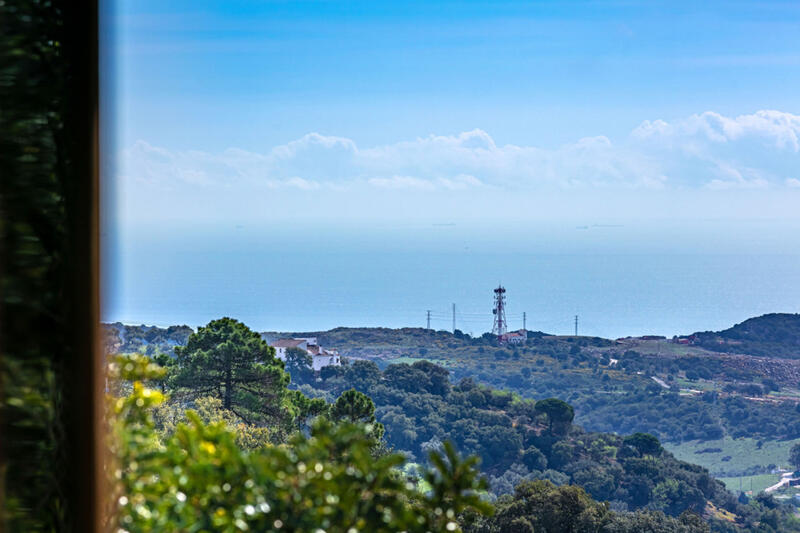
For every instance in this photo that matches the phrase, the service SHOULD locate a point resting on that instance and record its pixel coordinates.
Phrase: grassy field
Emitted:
(744, 454)
(663, 347)
(747, 483)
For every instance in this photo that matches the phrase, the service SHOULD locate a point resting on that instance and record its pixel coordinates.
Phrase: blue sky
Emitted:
(212, 75)
(248, 114)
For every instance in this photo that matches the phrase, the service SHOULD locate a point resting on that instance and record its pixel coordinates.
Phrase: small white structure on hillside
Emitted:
(514, 337)
(320, 357)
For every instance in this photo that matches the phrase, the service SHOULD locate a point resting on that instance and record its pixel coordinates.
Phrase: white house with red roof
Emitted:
(320, 357)
(514, 337)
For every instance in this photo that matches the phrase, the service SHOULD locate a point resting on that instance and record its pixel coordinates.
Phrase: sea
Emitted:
(613, 282)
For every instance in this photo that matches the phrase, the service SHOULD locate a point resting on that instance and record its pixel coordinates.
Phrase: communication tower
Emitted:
(500, 324)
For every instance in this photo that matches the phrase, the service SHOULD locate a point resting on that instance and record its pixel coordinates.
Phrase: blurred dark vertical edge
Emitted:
(52, 438)
(105, 236)
(84, 418)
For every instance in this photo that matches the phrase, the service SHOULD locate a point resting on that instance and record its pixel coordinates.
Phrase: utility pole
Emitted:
(524, 321)
(429, 319)
(454, 318)
(576, 325)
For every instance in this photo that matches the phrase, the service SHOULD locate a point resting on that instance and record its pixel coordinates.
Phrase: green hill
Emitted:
(521, 440)
(520, 433)
(772, 335)
(710, 396)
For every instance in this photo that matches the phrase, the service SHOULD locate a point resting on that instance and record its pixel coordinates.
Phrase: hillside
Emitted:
(701, 396)
(122, 338)
(524, 436)
(522, 440)
(772, 335)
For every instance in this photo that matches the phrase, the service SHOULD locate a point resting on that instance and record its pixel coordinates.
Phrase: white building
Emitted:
(515, 337)
(320, 357)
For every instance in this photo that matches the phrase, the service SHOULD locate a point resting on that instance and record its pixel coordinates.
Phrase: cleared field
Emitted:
(744, 454)
(665, 347)
(750, 483)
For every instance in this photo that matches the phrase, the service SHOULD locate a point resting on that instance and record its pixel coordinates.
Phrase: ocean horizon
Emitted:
(322, 282)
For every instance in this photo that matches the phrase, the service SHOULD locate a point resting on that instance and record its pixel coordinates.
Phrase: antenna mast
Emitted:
(500, 324)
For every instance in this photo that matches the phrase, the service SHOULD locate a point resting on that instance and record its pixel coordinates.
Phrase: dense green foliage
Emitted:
(619, 397)
(521, 440)
(771, 335)
(198, 479)
(543, 507)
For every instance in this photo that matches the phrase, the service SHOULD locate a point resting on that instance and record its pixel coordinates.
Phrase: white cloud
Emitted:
(707, 150)
(769, 128)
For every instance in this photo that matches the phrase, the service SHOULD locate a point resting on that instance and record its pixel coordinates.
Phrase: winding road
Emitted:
(785, 478)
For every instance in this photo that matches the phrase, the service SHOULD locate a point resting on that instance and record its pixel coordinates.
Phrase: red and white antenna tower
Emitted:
(500, 324)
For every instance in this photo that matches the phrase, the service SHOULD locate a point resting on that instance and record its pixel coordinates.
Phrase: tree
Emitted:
(407, 378)
(794, 456)
(674, 496)
(168, 416)
(299, 364)
(363, 374)
(168, 364)
(331, 372)
(542, 507)
(355, 407)
(644, 443)
(499, 445)
(227, 360)
(438, 376)
(559, 414)
(306, 408)
(534, 459)
(401, 430)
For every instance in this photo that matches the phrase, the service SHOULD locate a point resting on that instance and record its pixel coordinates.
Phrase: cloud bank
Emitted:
(703, 151)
